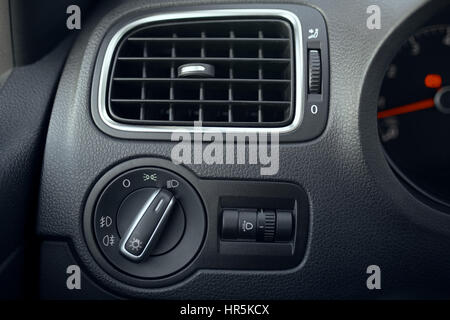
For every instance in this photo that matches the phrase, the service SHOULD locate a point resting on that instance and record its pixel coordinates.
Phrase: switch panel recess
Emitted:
(150, 223)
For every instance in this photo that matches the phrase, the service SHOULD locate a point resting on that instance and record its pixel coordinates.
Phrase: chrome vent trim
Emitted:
(297, 78)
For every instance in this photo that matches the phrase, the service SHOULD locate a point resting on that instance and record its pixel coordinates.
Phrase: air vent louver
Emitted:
(251, 86)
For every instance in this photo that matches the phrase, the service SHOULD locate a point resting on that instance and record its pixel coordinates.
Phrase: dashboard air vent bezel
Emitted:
(309, 33)
(248, 83)
(297, 61)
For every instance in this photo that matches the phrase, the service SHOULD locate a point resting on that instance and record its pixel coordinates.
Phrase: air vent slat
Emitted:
(179, 40)
(224, 80)
(231, 75)
(230, 72)
(255, 102)
(207, 59)
(260, 76)
(143, 85)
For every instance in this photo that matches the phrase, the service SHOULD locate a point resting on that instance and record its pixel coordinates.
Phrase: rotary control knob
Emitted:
(148, 222)
(146, 228)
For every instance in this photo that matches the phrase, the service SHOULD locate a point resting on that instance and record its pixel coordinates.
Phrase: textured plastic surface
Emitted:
(360, 213)
(25, 103)
(56, 258)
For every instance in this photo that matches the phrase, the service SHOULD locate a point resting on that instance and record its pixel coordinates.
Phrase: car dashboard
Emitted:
(195, 150)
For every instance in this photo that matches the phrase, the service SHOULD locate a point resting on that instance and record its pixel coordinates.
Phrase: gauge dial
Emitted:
(414, 113)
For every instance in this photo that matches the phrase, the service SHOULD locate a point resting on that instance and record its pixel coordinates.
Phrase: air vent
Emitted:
(225, 72)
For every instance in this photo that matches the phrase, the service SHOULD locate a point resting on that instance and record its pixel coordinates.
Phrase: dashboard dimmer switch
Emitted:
(230, 219)
(266, 226)
(284, 225)
(247, 225)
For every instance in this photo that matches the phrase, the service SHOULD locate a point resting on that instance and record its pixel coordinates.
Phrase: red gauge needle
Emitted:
(431, 81)
(407, 108)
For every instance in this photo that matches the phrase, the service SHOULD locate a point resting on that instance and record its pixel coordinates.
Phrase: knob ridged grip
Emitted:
(269, 230)
(315, 72)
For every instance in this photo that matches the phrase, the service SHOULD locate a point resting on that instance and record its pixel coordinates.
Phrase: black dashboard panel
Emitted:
(22, 144)
(359, 213)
